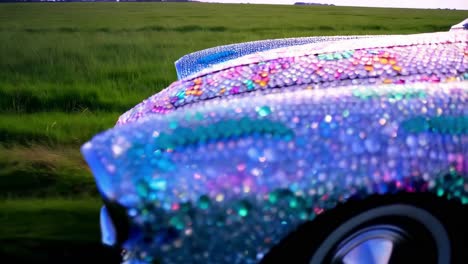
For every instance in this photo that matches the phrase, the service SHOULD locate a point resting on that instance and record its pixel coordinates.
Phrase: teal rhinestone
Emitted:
(398, 96)
(165, 165)
(346, 113)
(264, 111)
(198, 116)
(185, 207)
(181, 95)
(204, 202)
(293, 202)
(243, 208)
(312, 216)
(273, 197)
(337, 56)
(440, 192)
(243, 212)
(303, 215)
(158, 184)
(464, 200)
(177, 222)
(250, 84)
(173, 124)
(329, 57)
(142, 188)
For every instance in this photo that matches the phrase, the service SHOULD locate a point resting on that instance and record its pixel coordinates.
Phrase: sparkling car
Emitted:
(312, 150)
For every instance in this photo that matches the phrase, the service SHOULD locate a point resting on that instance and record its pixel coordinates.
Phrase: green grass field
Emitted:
(68, 70)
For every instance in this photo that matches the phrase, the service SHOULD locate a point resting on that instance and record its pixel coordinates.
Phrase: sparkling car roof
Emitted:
(432, 57)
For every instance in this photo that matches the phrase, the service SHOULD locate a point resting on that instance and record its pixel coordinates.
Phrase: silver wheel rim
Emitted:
(387, 240)
(372, 245)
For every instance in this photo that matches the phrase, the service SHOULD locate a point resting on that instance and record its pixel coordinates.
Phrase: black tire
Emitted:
(308, 241)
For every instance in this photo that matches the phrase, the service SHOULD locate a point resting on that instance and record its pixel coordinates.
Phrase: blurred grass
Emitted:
(40, 171)
(53, 128)
(68, 69)
(52, 231)
(54, 218)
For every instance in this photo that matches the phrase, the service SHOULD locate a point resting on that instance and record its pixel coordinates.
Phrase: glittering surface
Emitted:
(219, 167)
(436, 57)
(197, 61)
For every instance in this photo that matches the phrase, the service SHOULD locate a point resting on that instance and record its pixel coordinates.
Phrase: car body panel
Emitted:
(221, 177)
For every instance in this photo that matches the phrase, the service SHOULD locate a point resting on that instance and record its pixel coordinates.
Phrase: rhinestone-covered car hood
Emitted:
(223, 164)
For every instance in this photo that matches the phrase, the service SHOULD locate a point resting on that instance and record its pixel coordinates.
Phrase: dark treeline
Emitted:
(35, 1)
(315, 4)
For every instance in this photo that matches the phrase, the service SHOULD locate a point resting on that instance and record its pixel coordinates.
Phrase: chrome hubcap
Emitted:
(373, 245)
(386, 235)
